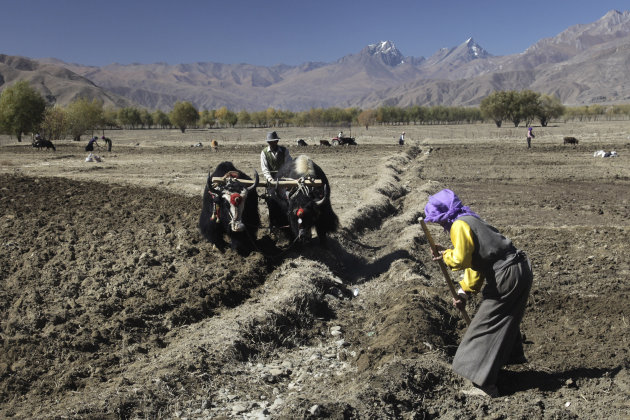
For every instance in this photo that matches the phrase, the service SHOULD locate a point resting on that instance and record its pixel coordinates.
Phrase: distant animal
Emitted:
(324, 143)
(230, 209)
(342, 141)
(570, 140)
(197, 145)
(301, 142)
(214, 144)
(41, 143)
(303, 207)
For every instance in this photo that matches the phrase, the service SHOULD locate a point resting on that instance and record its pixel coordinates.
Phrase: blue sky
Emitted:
(276, 31)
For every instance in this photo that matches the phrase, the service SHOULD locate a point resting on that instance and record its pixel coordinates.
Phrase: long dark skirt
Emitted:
(494, 336)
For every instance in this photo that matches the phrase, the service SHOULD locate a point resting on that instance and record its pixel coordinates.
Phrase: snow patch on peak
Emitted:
(387, 51)
(475, 49)
(383, 47)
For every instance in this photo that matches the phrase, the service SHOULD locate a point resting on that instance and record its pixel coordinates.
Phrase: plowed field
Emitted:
(113, 306)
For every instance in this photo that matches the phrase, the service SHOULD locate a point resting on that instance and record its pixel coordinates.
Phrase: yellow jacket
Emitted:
(460, 257)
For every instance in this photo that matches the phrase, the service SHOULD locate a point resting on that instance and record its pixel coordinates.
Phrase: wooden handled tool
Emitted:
(447, 277)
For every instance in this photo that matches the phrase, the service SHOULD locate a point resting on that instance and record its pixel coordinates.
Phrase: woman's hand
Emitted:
(459, 303)
(439, 251)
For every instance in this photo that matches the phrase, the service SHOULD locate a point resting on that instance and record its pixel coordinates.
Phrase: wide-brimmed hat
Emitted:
(272, 136)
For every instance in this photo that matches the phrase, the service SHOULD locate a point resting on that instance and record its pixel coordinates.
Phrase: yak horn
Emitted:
(255, 184)
(320, 202)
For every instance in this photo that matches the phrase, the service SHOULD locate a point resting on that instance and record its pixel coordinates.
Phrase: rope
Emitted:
(301, 187)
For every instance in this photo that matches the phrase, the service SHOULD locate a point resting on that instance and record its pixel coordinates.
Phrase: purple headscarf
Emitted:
(445, 207)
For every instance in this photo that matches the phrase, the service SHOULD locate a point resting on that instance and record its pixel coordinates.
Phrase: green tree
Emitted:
(161, 119)
(271, 117)
(386, 114)
(110, 118)
(184, 115)
(259, 118)
(146, 119)
(21, 109)
(129, 117)
(513, 107)
(84, 115)
(528, 105)
(207, 118)
(550, 107)
(495, 107)
(54, 125)
(225, 117)
(416, 113)
(243, 117)
(316, 116)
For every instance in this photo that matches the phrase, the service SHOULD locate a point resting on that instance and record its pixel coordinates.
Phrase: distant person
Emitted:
(91, 143)
(273, 156)
(340, 135)
(401, 140)
(530, 136)
(108, 142)
(493, 338)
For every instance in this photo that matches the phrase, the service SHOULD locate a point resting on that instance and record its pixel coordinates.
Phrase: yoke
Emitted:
(285, 182)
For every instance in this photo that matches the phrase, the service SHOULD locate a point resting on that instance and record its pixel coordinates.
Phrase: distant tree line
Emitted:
(597, 112)
(23, 110)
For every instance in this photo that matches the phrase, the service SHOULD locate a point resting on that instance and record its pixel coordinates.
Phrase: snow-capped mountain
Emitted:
(586, 63)
(463, 53)
(465, 60)
(386, 51)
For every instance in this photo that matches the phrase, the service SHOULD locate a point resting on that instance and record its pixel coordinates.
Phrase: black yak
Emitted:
(41, 143)
(303, 207)
(230, 208)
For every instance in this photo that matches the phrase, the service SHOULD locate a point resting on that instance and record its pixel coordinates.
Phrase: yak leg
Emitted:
(321, 234)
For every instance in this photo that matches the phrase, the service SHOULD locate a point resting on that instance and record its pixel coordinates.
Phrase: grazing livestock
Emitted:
(231, 209)
(570, 140)
(41, 143)
(214, 144)
(324, 143)
(304, 207)
(301, 142)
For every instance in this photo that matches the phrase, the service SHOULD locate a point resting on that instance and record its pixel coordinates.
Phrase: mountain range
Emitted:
(585, 64)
